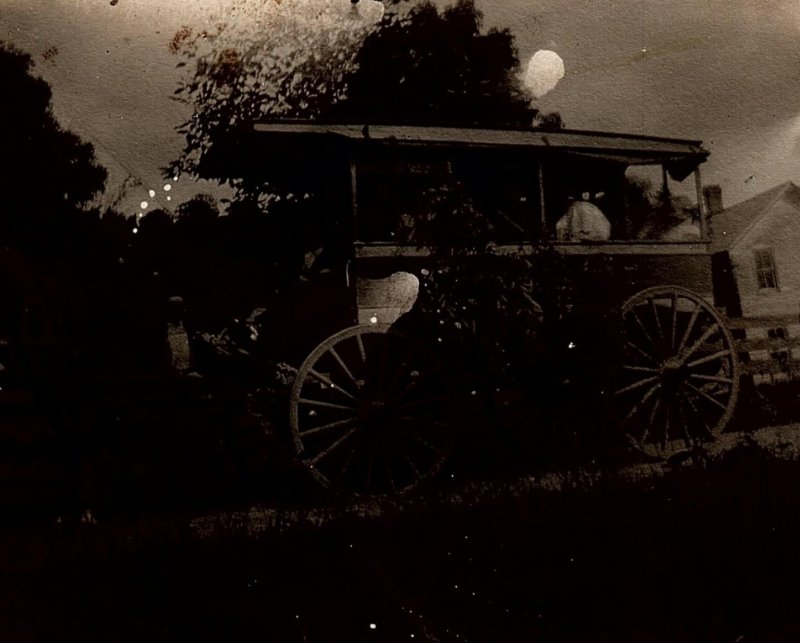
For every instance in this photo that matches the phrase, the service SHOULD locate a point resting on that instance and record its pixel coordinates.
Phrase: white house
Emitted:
(756, 261)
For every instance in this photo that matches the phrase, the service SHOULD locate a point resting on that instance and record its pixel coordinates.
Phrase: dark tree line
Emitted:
(422, 64)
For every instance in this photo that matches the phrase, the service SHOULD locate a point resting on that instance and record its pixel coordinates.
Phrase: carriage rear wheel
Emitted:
(370, 411)
(679, 375)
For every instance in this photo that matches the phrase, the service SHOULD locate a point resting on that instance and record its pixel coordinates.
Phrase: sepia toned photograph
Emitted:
(400, 320)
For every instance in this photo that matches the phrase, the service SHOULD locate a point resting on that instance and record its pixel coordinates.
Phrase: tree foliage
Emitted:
(336, 60)
(437, 67)
(291, 64)
(46, 172)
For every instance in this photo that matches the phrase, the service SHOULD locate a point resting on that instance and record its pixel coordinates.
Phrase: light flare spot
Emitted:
(545, 69)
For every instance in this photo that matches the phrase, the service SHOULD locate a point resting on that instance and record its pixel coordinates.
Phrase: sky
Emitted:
(726, 72)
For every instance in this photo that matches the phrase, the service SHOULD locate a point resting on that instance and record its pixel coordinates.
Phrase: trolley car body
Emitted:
(674, 369)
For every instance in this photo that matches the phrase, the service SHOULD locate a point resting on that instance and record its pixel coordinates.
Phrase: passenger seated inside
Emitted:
(583, 221)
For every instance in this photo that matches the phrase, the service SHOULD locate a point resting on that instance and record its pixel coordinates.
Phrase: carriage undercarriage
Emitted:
(375, 410)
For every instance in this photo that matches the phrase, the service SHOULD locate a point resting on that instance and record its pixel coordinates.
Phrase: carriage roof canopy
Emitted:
(681, 157)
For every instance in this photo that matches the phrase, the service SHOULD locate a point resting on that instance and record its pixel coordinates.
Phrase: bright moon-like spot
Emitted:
(143, 205)
(152, 193)
(370, 11)
(167, 187)
(545, 69)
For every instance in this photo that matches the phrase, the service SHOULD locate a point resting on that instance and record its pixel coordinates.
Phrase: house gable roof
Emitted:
(730, 226)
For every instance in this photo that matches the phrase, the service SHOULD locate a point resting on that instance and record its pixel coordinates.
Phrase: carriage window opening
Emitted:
(583, 199)
(503, 190)
(403, 195)
(765, 268)
(658, 207)
(392, 193)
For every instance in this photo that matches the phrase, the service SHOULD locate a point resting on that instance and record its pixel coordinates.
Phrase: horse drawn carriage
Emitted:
(463, 263)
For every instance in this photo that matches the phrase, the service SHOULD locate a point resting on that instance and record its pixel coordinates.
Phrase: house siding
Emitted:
(779, 230)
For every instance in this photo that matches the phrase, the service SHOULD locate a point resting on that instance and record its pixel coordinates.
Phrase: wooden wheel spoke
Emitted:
(640, 404)
(689, 327)
(641, 352)
(708, 358)
(708, 333)
(642, 328)
(665, 439)
(706, 396)
(649, 425)
(640, 369)
(429, 446)
(697, 412)
(653, 412)
(711, 378)
(637, 384)
(683, 422)
(327, 405)
(654, 309)
(674, 327)
(413, 466)
(329, 383)
(342, 365)
(361, 350)
(332, 447)
(325, 427)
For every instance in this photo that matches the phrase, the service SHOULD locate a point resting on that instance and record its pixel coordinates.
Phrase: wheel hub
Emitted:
(673, 372)
(371, 410)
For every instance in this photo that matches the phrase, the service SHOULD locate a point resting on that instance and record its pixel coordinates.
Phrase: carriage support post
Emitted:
(542, 213)
(701, 206)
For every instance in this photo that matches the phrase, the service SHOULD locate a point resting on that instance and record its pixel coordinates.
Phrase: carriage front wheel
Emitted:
(679, 374)
(370, 413)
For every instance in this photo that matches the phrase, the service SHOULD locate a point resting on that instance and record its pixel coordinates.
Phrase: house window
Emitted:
(765, 268)
(777, 333)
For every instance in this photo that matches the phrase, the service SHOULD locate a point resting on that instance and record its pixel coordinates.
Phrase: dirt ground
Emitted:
(705, 550)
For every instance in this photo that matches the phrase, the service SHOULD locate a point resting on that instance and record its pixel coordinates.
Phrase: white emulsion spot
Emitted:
(143, 205)
(545, 69)
(167, 188)
(152, 193)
